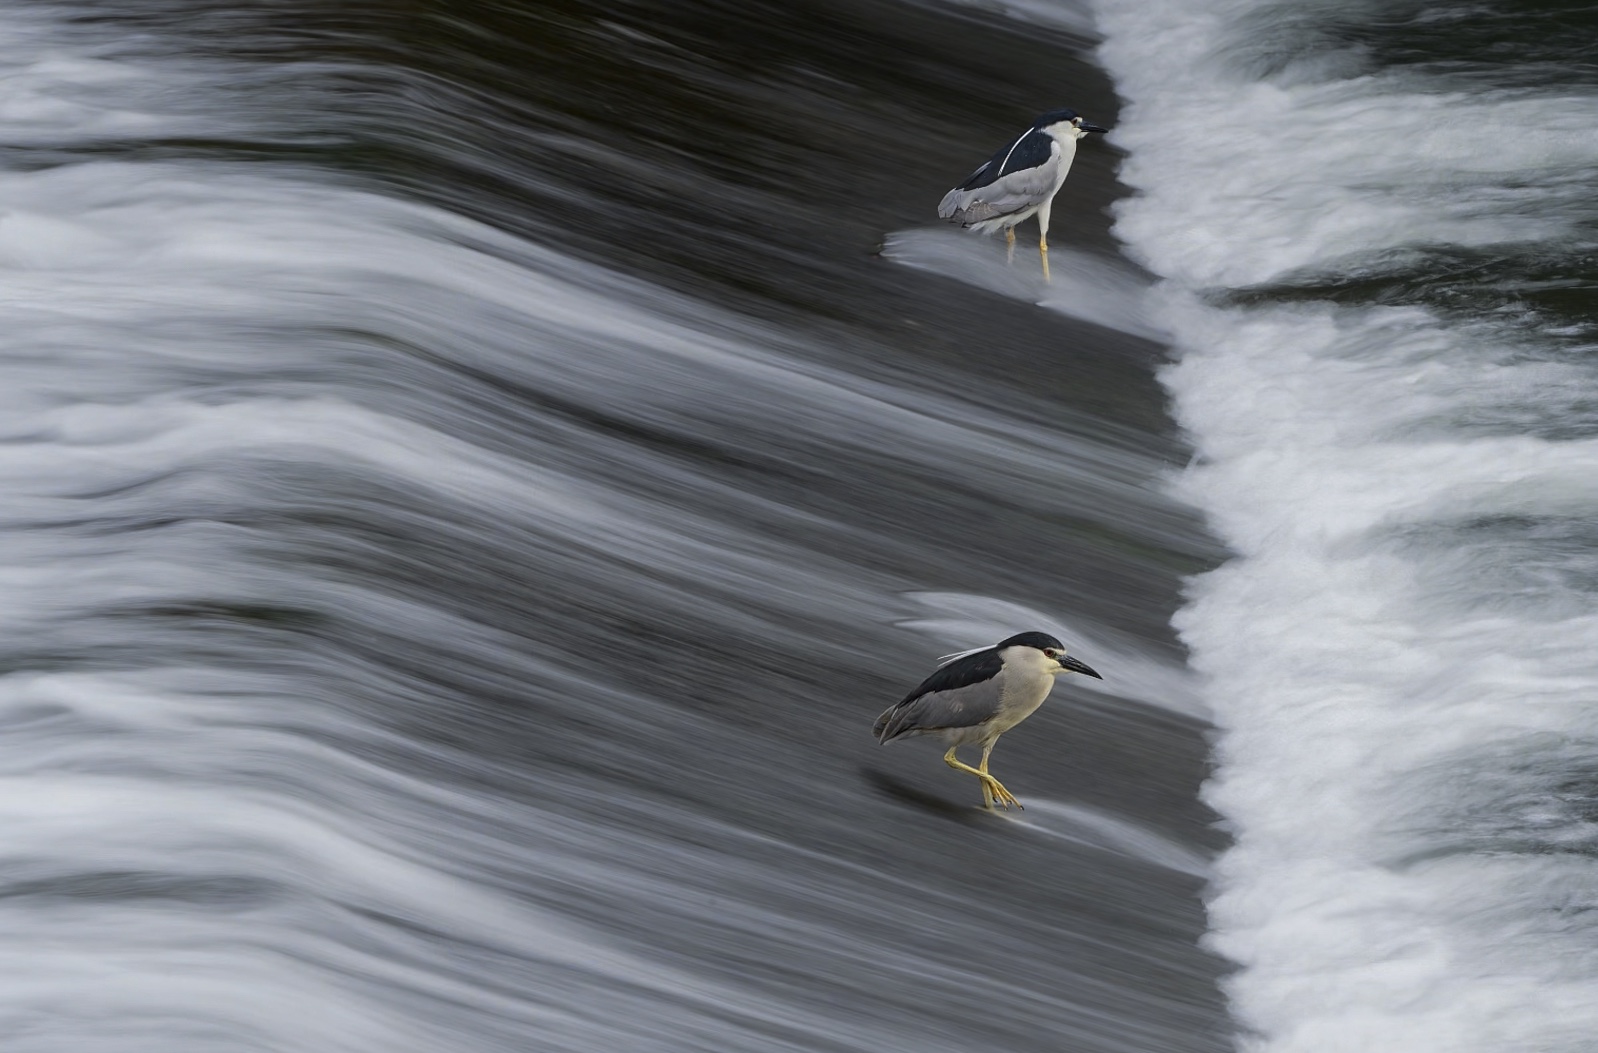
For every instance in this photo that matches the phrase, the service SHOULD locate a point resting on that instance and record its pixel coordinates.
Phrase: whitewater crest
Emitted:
(1355, 253)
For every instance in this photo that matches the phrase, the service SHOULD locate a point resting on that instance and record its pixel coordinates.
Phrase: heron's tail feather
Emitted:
(891, 724)
(965, 208)
(976, 212)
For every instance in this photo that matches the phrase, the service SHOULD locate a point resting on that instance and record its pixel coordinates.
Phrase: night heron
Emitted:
(976, 696)
(1020, 181)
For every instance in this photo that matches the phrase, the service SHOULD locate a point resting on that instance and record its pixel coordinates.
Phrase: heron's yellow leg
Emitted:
(990, 786)
(1009, 245)
(1004, 797)
(1043, 252)
(959, 765)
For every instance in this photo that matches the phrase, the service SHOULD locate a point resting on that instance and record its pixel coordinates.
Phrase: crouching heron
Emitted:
(976, 696)
(1020, 181)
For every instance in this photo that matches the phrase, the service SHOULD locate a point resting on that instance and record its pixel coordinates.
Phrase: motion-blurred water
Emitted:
(470, 484)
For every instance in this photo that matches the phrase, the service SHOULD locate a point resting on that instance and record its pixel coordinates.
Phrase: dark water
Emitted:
(473, 481)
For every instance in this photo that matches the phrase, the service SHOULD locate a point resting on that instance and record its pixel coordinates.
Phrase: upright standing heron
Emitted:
(977, 696)
(1020, 181)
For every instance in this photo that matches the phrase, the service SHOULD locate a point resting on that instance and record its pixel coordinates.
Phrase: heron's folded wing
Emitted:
(1007, 194)
(960, 707)
(1020, 175)
(956, 690)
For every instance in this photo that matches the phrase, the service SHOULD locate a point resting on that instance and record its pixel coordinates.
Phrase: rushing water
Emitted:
(470, 485)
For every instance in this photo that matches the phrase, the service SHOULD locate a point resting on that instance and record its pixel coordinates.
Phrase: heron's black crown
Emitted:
(1042, 641)
(1055, 117)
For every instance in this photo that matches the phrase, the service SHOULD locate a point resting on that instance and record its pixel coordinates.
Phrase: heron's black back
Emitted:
(1031, 149)
(962, 672)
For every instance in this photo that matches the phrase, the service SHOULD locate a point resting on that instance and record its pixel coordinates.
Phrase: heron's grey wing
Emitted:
(967, 686)
(1019, 176)
(960, 707)
(1007, 194)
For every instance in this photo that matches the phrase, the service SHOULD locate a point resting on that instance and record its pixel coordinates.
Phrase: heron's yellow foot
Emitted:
(994, 788)
(990, 785)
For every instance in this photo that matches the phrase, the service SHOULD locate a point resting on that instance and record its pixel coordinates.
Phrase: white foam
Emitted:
(1359, 654)
(1245, 180)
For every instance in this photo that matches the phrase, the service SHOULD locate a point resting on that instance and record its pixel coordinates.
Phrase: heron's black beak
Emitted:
(1086, 127)
(1077, 667)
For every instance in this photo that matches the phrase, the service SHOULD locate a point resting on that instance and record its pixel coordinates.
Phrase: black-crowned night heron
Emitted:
(1020, 181)
(976, 696)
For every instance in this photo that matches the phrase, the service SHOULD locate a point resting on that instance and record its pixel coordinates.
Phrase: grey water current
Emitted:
(472, 474)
